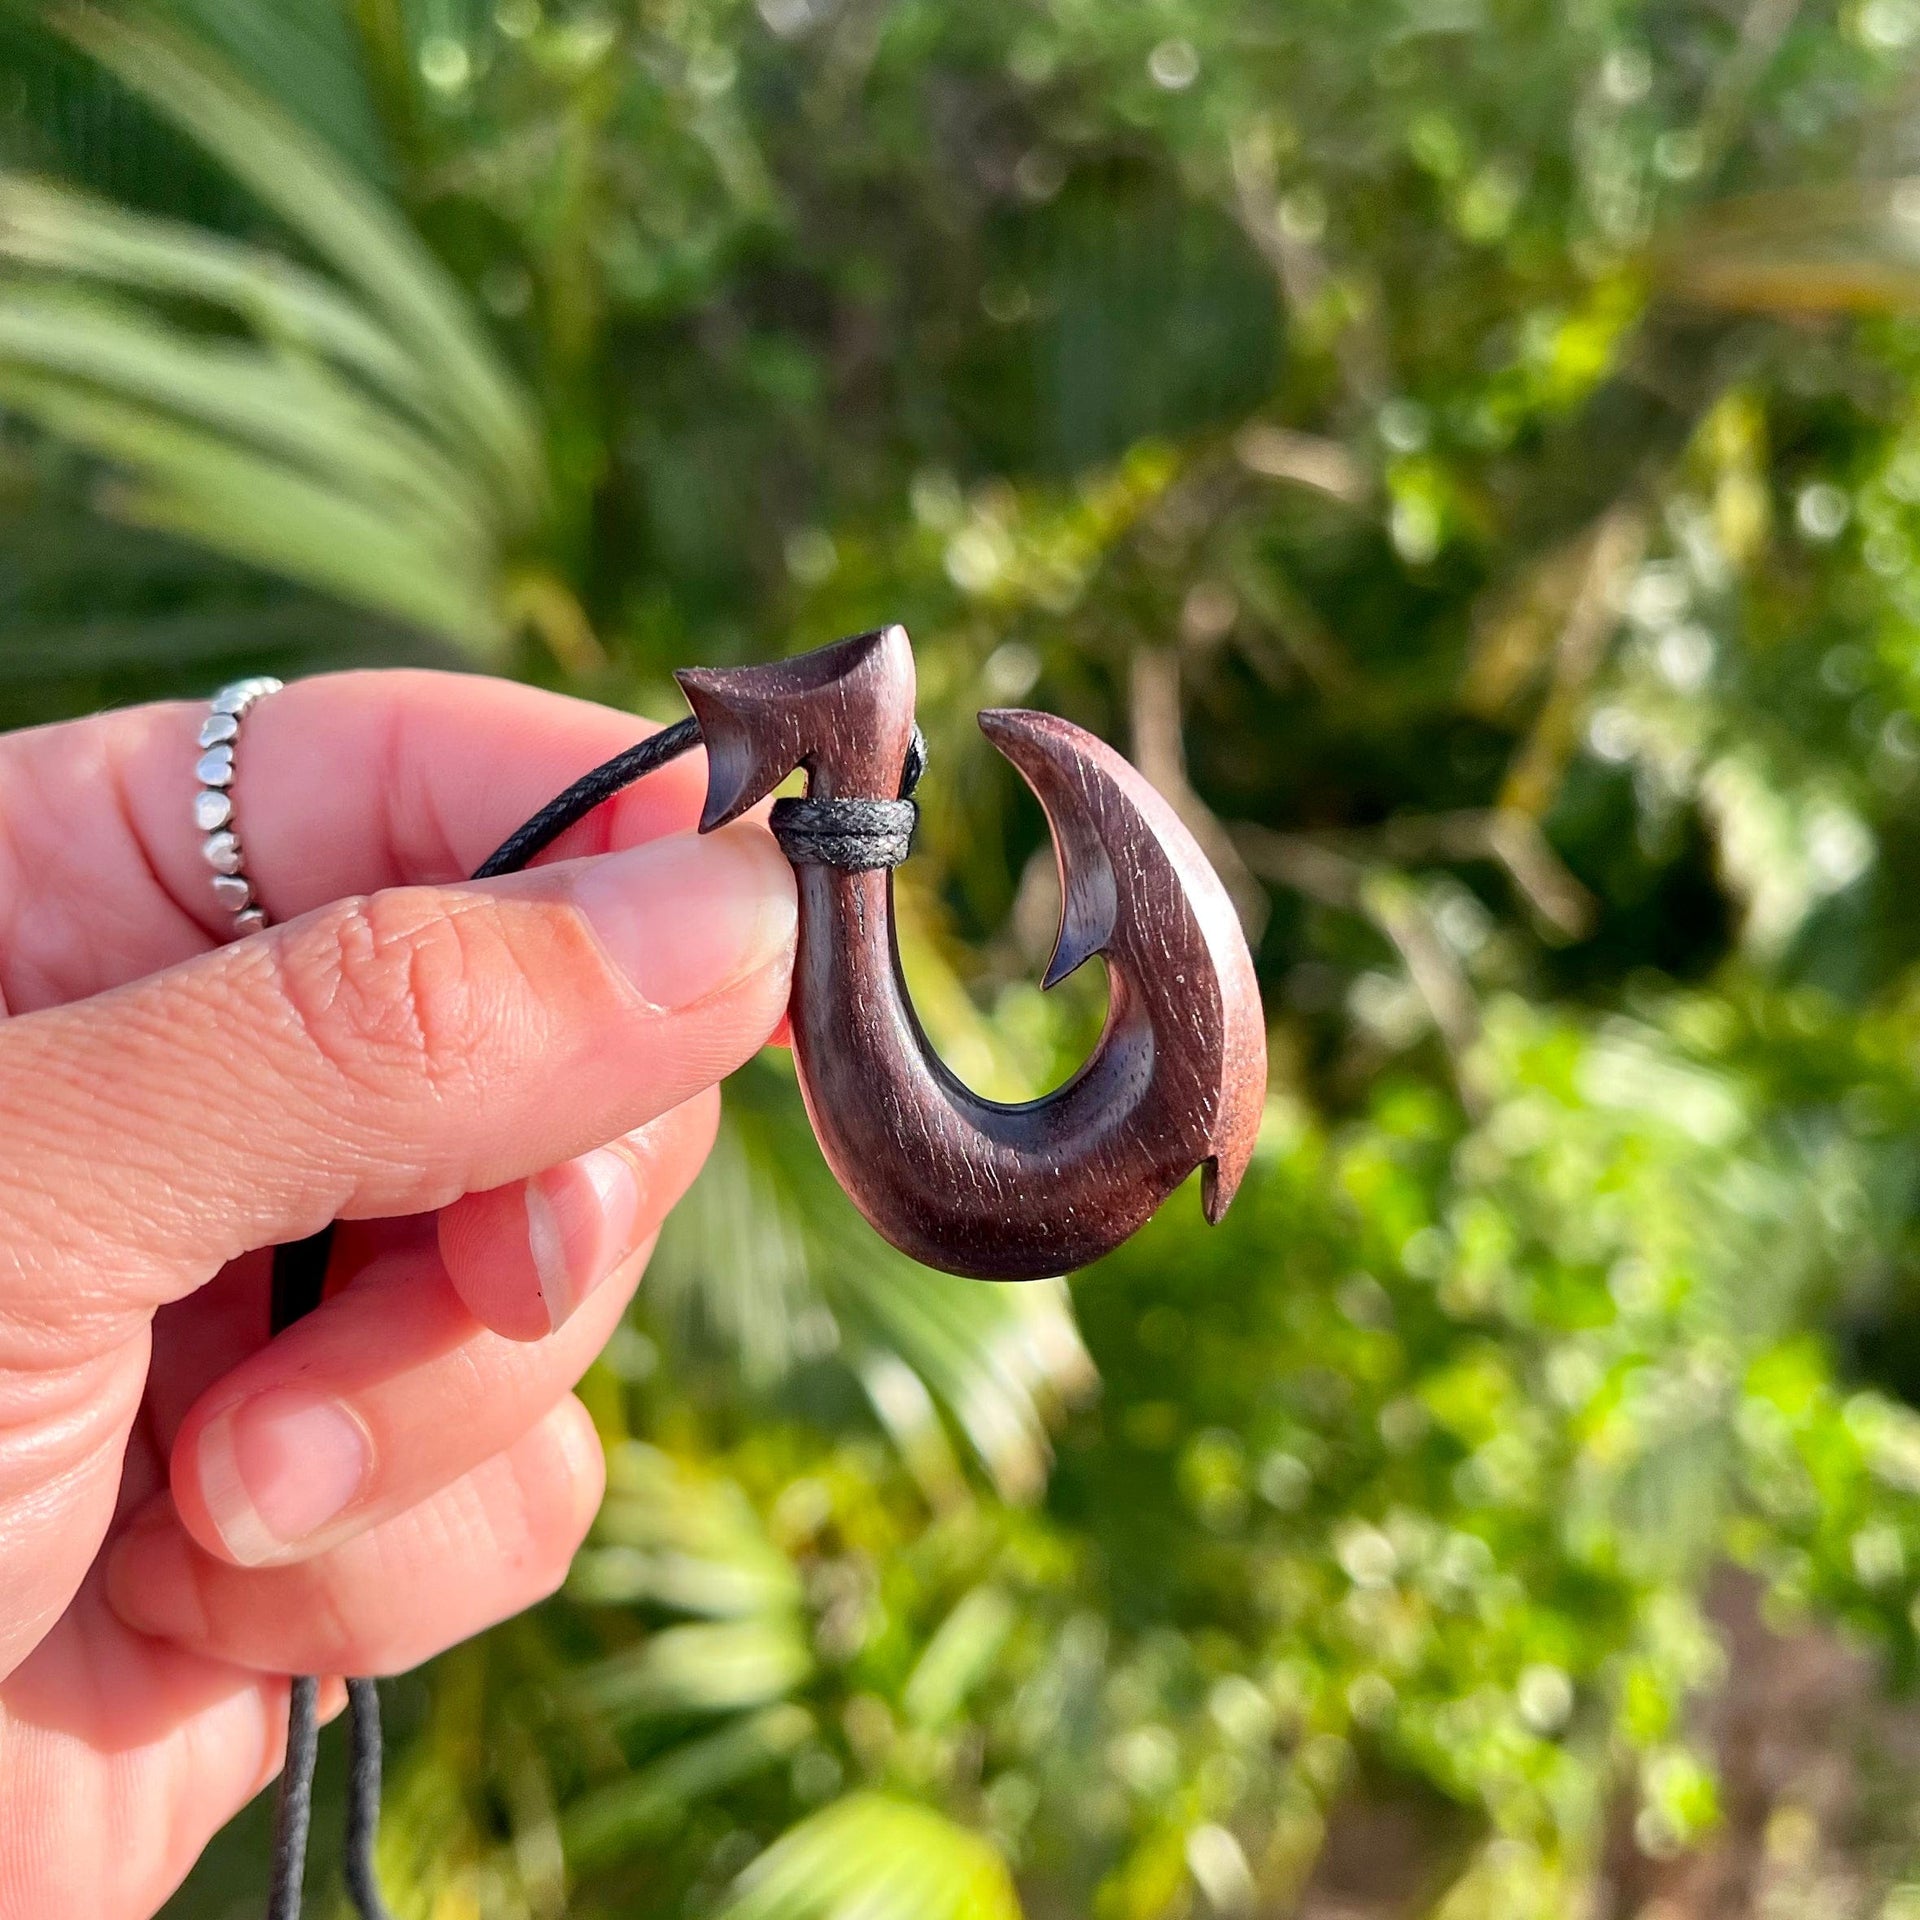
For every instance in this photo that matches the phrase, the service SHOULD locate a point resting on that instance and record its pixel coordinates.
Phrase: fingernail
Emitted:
(685, 917)
(275, 1469)
(580, 1225)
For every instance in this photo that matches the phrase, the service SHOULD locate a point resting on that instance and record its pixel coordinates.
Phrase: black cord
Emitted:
(363, 1799)
(295, 1806)
(855, 834)
(585, 794)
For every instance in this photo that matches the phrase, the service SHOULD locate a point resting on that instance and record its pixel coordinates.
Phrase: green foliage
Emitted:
(398, 493)
(1469, 454)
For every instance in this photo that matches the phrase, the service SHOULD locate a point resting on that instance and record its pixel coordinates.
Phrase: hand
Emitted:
(188, 1511)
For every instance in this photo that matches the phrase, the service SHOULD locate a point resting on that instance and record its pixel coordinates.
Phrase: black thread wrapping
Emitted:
(858, 835)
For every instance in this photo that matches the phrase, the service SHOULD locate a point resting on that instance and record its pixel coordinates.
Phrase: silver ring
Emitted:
(213, 804)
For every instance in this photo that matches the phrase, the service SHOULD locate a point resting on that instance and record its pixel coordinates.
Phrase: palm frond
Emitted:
(354, 432)
(960, 1654)
(704, 1668)
(289, 407)
(60, 231)
(198, 483)
(306, 57)
(345, 222)
(691, 1543)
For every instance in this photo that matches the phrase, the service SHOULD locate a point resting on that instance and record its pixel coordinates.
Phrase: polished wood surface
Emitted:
(1002, 1192)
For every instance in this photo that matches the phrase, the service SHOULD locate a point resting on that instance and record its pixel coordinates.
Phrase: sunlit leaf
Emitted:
(768, 1254)
(201, 484)
(870, 1857)
(686, 1542)
(287, 406)
(697, 1669)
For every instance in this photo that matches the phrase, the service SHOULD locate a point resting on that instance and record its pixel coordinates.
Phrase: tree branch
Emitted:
(1613, 550)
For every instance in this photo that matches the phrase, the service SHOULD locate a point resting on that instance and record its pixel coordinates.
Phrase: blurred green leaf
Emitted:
(611, 1822)
(879, 1859)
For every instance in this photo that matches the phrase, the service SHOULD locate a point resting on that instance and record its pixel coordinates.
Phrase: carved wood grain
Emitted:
(1000, 1191)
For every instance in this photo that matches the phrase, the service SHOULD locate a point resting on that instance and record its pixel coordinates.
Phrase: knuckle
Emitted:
(558, 1482)
(337, 1634)
(404, 989)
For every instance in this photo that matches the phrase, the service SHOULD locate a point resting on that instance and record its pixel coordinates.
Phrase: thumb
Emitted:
(379, 1056)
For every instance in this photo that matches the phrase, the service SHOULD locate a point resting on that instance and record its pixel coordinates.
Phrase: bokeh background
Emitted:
(1468, 453)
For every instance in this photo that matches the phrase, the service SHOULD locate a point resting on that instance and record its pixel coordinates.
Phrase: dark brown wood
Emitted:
(1000, 1192)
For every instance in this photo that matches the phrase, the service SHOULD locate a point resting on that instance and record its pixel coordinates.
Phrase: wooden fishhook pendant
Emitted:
(1000, 1192)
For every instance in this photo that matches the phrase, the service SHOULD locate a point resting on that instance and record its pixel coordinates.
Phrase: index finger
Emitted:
(344, 784)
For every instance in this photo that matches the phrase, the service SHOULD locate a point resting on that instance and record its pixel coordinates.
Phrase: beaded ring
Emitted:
(213, 804)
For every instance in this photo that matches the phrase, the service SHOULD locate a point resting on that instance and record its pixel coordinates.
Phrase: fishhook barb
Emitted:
(1177, 1081)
